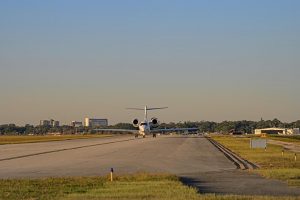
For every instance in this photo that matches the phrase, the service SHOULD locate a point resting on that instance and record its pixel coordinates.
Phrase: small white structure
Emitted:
(279, 131)
(258, 143)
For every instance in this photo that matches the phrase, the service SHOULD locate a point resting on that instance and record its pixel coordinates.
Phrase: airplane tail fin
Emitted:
(146, 109)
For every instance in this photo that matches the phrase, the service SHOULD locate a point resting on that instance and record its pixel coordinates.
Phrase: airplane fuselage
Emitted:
(144, 128)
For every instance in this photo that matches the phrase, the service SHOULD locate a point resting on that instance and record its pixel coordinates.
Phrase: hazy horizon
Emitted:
(205, 60)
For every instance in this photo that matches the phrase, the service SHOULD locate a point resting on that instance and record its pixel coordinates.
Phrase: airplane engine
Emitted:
(135, 123)
(154, 122)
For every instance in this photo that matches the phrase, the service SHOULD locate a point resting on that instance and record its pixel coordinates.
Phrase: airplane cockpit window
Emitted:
(143, 124)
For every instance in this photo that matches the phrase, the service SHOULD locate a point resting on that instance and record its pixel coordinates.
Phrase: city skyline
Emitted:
(205, 60)
(46, 122)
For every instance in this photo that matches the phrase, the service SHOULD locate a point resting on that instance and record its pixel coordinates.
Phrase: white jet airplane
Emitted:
(145, 125)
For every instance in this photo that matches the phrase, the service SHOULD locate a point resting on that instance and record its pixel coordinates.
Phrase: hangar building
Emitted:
(279, 131)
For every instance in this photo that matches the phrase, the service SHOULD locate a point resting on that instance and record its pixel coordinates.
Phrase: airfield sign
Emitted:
(258, 143)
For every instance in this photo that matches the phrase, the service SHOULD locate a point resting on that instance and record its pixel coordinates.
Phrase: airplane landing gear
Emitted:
(154, 135)
(144, 136)
(136, 135)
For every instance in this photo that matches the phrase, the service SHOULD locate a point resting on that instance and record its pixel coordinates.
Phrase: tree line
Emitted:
(12, 129)
(243, 126)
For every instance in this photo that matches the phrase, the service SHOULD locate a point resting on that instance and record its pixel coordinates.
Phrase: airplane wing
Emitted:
(174, 130)
(116, 130)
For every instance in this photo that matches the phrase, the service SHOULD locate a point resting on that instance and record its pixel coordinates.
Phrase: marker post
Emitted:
(111, 174)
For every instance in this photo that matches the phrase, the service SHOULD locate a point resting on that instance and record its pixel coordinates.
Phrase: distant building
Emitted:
(279, 131)
(88, 122)
(76, 124)
(44, 122)
(55, 124)
(50, 122)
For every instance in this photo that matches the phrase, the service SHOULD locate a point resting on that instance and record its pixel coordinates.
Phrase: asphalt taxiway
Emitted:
(193, 158)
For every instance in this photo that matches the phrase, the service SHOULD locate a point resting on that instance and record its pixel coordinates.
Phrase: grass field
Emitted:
(131, 187)
(45, 138)
(273, 164)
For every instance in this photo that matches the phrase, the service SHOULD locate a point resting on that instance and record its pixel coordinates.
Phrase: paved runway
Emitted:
(194, 159)
(87, 157)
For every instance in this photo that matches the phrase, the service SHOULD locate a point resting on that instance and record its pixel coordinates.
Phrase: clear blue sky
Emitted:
(206, 60)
